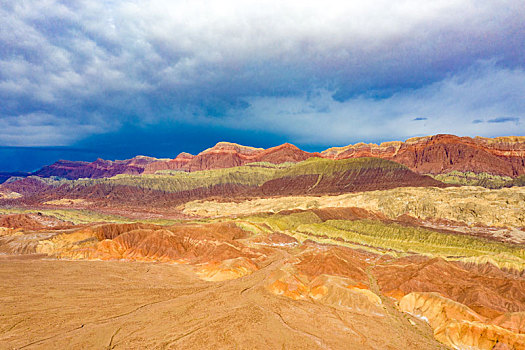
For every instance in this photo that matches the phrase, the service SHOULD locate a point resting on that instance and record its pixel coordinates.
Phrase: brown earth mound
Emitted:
(336, 291)
(31, 222)
(458, 326)
(513, 321)
(344, 293)
(465, 304)
(21, 221)
(50, 304)
(207, 243)
(333, 276)
(490, 293)
(226, 270)
(335, 261)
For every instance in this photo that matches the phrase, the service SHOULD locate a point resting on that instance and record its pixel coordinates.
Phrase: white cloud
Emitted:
(145, 62)
(42, 129)
(452, 105)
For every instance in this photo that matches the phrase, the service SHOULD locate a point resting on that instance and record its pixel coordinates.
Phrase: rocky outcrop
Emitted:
(98, 169)
(283, 153)
(333, 261)
(343, 293)
(439, 154)
(332, 276)
(442, 154)
(489, 293)
(436, 310)
(104, 194)
(226, 270)
(230, 147)
(178, 163)
(21, 221)
(227, 155)
(222, 155)
(336, 291)
(210, 244)
(513, 321)
(24, 186)
(468, 305)
(215, 159)
(31, 222)
(458, 326)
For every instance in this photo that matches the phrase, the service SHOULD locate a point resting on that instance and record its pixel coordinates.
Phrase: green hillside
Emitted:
(254, 174)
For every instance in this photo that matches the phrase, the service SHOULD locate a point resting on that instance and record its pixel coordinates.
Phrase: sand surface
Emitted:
(53, 304)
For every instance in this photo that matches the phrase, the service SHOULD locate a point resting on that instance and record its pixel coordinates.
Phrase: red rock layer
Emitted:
(374, 175)
(183, 243)
(32, 222)
(514, 321)
(20, 221)
(335, 261)
(97, 169)
(349, 181)
(225, 155)
(441, 154)
(425, 155)
(490, 293)
(124, 196)
(171, 164)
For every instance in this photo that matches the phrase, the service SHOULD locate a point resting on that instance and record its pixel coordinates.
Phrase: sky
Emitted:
(112, 79)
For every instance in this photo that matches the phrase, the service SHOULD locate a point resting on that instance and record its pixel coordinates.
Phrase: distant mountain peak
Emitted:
(224, 146)
(184, 155)
(435, 154)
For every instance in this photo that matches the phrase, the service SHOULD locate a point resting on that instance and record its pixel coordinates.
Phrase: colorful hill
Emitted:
(436, 155)
(364, 247)
(97, 169)
(441, 154)
(314, 176)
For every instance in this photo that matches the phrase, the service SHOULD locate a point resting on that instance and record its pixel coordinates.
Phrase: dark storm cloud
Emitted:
(72, 69)
(32, 158)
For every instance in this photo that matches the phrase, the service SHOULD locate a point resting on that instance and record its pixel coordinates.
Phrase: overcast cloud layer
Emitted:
(320, 73)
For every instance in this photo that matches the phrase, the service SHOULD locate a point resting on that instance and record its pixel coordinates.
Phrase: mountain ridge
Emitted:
(436, 154)
(315, 176)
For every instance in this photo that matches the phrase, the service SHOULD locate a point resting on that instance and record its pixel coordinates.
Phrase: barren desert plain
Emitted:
(405, 245)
